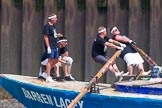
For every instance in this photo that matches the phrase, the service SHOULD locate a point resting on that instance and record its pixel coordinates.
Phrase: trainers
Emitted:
(40, 71)
(68, 78)
(146, 73)
(49, 79)
(72, 77)
(117, 74)
(125, 74)
(59, 79)
(44, 75)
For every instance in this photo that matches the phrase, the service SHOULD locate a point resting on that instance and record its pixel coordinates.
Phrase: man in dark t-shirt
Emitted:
(99, 49)
(51, 45)
(65, 61)
(129, 54)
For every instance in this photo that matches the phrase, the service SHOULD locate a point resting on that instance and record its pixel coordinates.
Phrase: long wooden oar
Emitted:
(144, 55)
(94, 79)
(139, 73)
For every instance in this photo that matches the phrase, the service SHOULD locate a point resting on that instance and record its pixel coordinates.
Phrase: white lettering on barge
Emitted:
(48, 99)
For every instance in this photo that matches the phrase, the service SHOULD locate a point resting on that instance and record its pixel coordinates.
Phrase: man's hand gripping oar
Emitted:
(94, 79)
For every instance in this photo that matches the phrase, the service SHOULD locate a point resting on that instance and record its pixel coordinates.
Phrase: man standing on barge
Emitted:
(51, 44)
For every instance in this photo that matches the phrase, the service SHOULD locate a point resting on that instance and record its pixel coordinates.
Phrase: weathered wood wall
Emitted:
(155, 43)
(94, 18)
(21, 37)
(11, 39)
(32, 22)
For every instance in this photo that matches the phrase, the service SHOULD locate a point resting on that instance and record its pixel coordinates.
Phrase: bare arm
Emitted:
(122, 38)
(46, 41)
(62, 60)
(115, 42)
(110, 45)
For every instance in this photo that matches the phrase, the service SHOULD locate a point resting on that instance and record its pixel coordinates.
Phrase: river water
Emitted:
(10, 103)
(7, 101)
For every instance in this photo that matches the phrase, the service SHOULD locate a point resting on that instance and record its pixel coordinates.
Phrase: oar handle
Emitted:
(75, 101)
(93, 80)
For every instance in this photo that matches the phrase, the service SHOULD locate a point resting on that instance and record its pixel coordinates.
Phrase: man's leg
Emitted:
(57, 69)
(103, 60)
(140, 66)
(57, 72)
(42, 73)
(115, 67)
(64, 67)
(48, 70)
(49, 66)
(130, 69)
(67, 71)
(67, 68)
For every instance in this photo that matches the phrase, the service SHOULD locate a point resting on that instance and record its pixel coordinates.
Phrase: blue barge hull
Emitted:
(34, 93)
(140, 87)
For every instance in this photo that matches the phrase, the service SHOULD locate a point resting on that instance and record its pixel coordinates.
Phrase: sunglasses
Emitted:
(115, 30)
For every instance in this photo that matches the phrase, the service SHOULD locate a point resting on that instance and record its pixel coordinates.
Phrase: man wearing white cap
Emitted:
(99, 49)
(129, 54)
(51, 45)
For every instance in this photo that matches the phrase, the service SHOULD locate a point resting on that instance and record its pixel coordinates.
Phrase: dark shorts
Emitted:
(101, 59)
(54, 54)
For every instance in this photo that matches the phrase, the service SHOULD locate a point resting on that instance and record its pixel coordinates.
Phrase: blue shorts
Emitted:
(54, 54)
